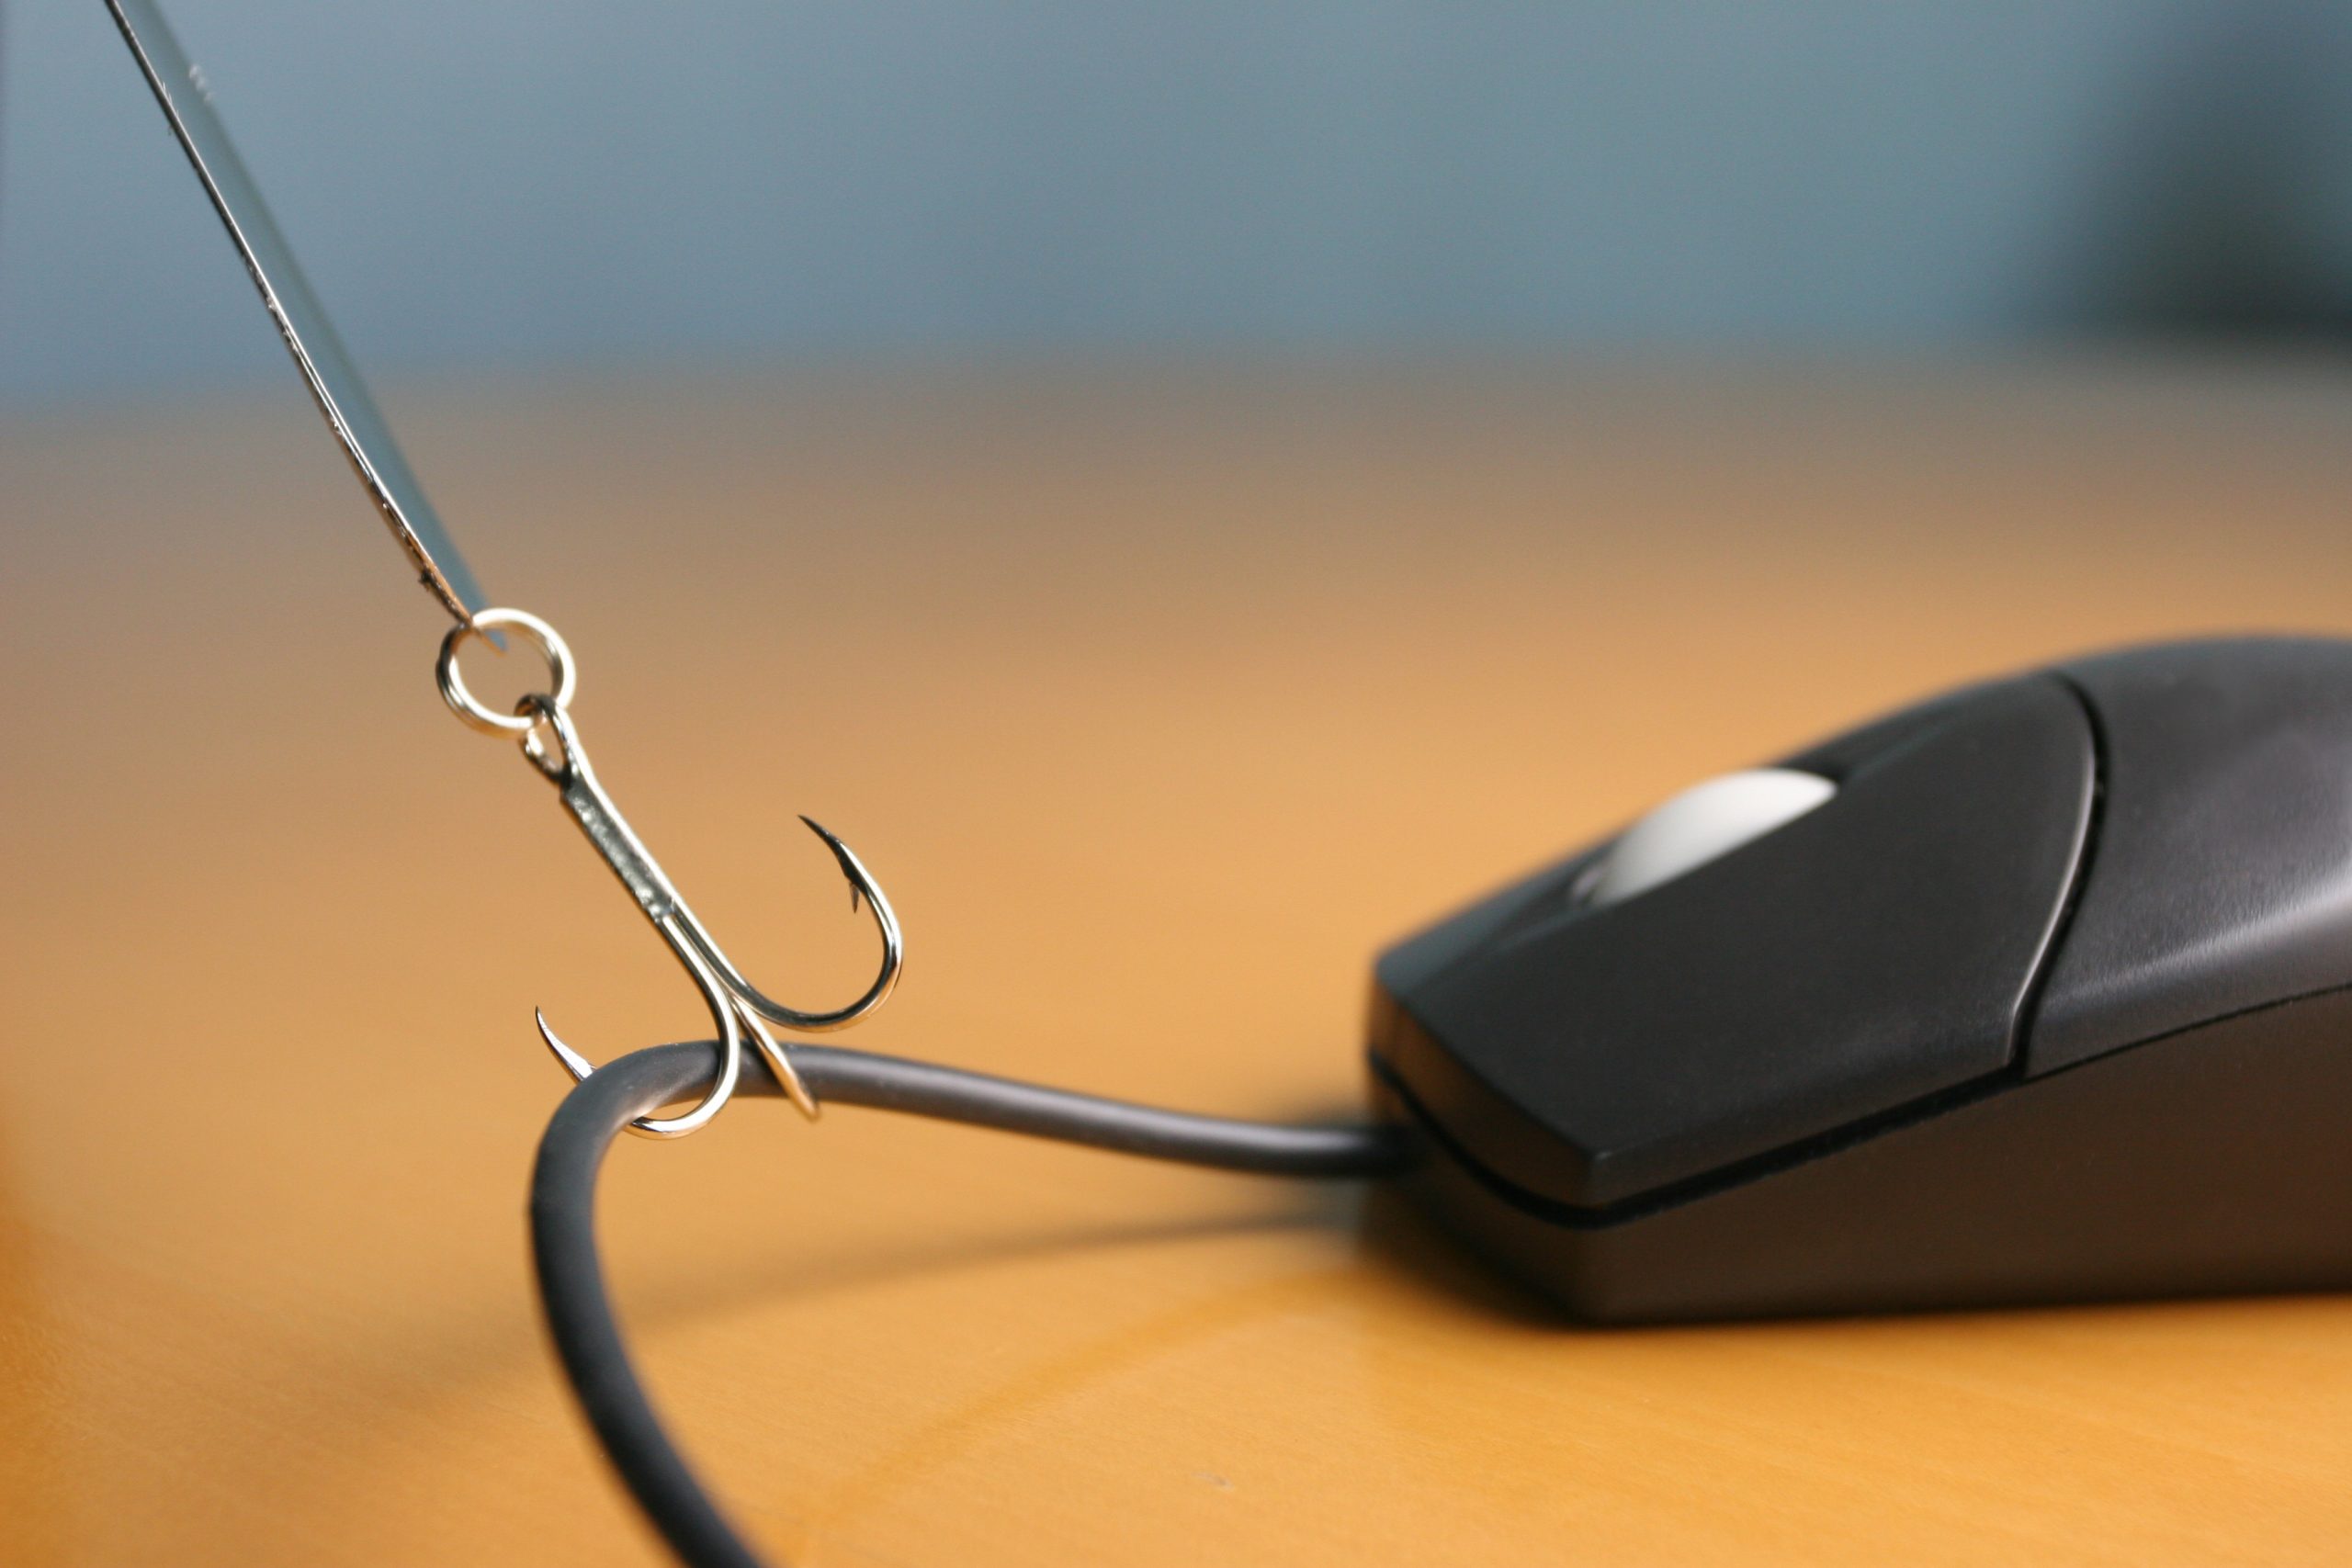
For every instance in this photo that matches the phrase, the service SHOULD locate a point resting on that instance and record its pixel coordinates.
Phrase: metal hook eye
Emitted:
(558, 762)
(561, 676)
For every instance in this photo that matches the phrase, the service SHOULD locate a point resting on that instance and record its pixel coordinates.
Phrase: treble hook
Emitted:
(738, 1008)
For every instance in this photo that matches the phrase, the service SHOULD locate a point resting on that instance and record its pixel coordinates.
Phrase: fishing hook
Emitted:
(541, 722)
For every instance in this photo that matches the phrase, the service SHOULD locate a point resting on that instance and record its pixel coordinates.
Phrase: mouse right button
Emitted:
(2220, 877)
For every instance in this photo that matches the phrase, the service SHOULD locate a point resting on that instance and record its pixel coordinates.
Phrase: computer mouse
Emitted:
(2039, 991)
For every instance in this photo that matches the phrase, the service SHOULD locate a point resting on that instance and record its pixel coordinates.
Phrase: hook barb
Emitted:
(852, 871)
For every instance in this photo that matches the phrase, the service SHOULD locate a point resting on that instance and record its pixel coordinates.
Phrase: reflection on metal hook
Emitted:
(861, 887)
(542, 723)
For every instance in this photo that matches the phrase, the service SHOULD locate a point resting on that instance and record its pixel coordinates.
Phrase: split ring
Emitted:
(533, 630)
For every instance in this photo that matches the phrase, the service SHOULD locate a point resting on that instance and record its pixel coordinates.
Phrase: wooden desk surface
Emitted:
(1158, 703)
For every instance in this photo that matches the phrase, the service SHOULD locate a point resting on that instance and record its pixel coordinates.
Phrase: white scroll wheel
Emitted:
(1703, 822)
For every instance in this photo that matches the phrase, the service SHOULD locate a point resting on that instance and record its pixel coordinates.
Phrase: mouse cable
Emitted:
(572, 1277)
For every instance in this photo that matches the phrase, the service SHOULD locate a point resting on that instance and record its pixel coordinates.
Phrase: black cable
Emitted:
(571, 1278)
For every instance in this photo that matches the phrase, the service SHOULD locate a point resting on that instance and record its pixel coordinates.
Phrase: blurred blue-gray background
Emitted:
(531, 187)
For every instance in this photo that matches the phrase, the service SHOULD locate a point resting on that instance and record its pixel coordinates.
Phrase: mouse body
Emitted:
(2039, 991)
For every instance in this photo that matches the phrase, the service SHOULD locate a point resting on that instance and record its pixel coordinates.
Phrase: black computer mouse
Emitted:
(2039, 991)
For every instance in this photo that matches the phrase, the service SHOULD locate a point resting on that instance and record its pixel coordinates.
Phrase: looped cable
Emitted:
(587, 1334)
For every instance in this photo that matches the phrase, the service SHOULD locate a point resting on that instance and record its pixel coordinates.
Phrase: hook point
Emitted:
(573, 1061)
(841, 857)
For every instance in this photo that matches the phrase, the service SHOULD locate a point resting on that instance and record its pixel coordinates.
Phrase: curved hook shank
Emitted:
(862, 886)
(730, 1046)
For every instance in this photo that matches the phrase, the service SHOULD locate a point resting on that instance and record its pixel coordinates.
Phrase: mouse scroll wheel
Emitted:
(1703, 822)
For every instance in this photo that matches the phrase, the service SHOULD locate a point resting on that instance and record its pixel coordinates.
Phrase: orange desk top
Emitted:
(1157, 702)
